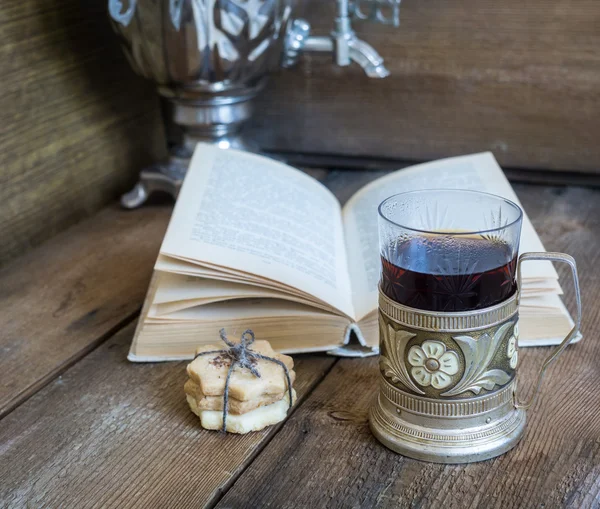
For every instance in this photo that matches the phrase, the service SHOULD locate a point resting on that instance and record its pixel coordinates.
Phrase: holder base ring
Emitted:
(458, 445)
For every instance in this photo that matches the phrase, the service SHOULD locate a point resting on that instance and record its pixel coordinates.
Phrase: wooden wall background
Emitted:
(519, 78)
(75, 122)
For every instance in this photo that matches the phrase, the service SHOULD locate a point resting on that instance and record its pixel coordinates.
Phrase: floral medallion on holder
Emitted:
(432, 364)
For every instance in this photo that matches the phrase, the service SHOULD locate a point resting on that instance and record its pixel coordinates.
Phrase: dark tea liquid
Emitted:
(438, 274)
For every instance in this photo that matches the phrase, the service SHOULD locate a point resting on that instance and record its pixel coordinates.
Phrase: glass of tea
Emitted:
(449, 250)
(448, 325)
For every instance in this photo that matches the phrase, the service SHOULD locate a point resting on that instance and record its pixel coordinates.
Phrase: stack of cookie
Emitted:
(253, 402)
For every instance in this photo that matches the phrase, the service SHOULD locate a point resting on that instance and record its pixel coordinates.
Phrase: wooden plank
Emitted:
(516, 78)
(64, 298)
(325, 455)
(113, 434)
(76, 124)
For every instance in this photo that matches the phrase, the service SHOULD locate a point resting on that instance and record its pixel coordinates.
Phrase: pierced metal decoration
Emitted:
(241, 355)
(115, 8)
(386, 12)
(175, 8)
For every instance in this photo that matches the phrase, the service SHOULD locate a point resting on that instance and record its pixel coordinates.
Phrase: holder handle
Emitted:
(552, 257)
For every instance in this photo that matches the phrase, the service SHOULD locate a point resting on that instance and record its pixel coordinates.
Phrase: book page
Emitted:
(175, 292)
(245, 308)
(168, 265)
(474, 172)
(175, 287)
(257, 216)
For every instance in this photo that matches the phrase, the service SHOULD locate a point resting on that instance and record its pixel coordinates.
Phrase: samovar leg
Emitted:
(217, 121)
(166, 177)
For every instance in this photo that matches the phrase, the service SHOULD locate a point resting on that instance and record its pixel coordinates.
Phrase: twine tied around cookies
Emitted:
(240, 354)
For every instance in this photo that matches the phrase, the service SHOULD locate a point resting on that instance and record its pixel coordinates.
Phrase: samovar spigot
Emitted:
(343, 43)
(347, 49)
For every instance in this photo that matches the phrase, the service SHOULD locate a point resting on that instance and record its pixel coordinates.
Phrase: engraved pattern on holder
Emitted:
(473, 417)
(478, 357)
(481, 367)
(436, 408)
(418, 435)
(391, 361)
(447, 322)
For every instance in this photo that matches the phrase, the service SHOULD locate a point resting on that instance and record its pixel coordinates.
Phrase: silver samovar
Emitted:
(209, 59)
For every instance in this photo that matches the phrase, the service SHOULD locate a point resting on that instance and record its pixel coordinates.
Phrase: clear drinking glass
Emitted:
(449, 250)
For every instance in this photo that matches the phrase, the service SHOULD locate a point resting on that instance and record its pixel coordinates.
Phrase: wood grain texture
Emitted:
(109, 433)
(326, 457)
(76, 123)
(520, 79)
(64, 298)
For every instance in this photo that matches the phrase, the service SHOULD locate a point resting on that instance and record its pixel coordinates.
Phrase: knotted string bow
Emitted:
(241, 355)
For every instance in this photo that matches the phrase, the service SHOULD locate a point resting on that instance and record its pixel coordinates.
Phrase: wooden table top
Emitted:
(82, 427)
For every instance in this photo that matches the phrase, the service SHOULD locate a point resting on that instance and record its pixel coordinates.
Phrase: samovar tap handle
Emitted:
(342, 44)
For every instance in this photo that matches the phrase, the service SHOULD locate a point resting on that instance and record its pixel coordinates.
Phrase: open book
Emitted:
(254, 243)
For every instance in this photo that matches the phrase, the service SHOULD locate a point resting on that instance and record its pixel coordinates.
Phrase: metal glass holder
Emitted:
(472, 411)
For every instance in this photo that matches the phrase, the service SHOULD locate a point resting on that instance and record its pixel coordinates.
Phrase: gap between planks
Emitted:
(277, 428)
(40, 383)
